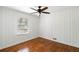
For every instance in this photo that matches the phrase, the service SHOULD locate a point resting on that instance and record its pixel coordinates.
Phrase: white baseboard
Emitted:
(63, 42)
(9, 45)
(42, 37)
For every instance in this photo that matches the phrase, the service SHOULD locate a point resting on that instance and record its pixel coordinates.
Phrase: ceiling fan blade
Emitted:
(33, 9)
(34, 12)
(44, 8)
(46, 12)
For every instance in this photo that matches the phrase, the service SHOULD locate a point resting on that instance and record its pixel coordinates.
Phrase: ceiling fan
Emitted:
(40, 9)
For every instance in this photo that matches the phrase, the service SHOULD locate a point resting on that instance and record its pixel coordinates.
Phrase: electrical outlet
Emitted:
(54, 39)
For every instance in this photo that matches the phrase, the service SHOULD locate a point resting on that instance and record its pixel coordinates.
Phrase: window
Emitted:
(22, 26)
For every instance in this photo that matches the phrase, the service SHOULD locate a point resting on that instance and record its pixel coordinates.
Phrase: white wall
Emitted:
(1, 27)
(62, 24)
(8, 21)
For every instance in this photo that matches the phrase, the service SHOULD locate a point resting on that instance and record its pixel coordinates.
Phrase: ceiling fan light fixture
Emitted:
(41, 9)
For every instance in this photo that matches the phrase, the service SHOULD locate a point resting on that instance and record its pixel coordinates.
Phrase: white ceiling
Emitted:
(51, 9)
(23, 8)
(26, 9)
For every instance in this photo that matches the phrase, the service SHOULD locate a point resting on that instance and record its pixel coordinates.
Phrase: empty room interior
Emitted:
(39, 28)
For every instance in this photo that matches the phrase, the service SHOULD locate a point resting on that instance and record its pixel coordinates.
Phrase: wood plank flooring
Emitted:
(41, 45)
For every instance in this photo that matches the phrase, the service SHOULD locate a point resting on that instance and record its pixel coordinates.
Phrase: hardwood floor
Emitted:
(41, 45)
